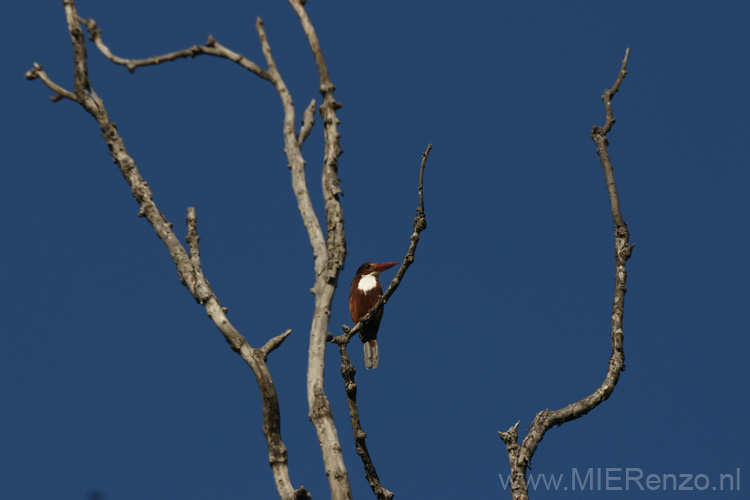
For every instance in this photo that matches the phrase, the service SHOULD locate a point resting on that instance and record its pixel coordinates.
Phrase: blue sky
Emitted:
(114, 380)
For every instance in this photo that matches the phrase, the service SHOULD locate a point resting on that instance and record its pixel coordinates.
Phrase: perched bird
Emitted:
(365, 292)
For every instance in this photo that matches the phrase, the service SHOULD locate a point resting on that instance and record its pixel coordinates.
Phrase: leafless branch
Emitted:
(212, 48)
(329, 259)
(329, 253)
(274, 343)
(329, 250)
(419, 225)
(348, 370)
(188, 265)
(38, 72)
(192, 238)
(520, 456)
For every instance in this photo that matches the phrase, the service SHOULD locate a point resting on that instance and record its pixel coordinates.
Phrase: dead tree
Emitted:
(329, 245)
(329, 251)
(520, 455)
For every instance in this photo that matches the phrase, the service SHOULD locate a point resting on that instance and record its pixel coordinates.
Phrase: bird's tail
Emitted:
(372, 356)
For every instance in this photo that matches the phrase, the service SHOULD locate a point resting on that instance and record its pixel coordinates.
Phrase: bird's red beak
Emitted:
(385, 265)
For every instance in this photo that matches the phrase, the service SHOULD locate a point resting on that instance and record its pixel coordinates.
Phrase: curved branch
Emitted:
(60, 93)
(188, 264)
(348, 370)
(520, 456)
(419, 225)
(212, 48)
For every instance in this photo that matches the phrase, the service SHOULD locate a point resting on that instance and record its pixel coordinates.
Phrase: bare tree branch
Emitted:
(274, 343)
(419, 225)
(330, 252)
(38, 72)
(348, 370)
(188, 265)
(520, 456)
(328, 263)
(212, 47)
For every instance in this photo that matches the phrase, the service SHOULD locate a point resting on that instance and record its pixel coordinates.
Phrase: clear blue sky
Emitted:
(113, 379)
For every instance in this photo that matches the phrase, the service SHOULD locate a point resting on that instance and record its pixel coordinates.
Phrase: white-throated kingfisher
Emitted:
(365, 292)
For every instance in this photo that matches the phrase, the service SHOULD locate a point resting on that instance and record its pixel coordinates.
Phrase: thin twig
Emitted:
(421, 178)
(274, 343)
(212, 48)
(38, 72)
(520, 456)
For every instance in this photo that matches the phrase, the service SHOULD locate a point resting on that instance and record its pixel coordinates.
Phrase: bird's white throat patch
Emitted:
(367, 282)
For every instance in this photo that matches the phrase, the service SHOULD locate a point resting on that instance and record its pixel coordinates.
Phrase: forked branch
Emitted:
(520, 455)
(329, 260)
(348, 370)
(329, 250)
(187, 262)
